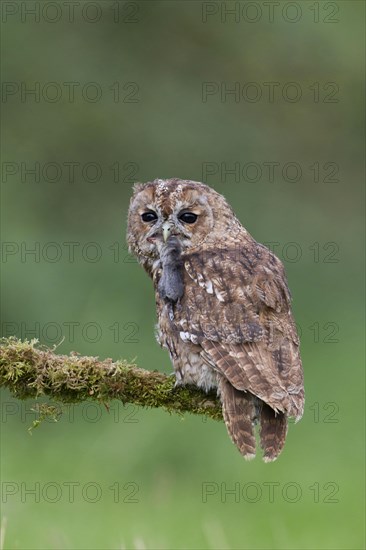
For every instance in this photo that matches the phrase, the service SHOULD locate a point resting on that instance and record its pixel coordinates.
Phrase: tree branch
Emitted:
(29, 370)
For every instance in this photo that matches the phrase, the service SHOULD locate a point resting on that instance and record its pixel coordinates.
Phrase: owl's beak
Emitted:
(166, 230)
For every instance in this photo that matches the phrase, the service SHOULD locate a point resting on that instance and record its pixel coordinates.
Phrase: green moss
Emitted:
(29, 370)
(44, 411)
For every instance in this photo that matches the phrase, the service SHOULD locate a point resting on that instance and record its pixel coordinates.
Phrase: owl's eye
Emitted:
(149, 216)
(188, 217)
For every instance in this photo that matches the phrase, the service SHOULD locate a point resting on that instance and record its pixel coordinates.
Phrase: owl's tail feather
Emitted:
(273, 432)
(239, 414)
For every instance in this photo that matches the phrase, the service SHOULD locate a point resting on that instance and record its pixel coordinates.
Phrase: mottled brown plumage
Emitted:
(223, 308)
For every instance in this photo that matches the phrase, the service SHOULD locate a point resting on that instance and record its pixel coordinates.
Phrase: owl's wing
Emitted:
(236, 306)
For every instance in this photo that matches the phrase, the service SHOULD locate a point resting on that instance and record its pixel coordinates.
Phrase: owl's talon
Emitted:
(178, 383)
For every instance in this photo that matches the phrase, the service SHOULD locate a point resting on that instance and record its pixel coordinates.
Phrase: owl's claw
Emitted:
(178, 382)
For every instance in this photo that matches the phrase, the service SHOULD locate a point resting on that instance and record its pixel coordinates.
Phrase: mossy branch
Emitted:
(29, 370)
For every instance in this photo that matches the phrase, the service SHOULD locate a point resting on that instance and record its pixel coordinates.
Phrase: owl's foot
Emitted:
(178, 380)
(178, 383)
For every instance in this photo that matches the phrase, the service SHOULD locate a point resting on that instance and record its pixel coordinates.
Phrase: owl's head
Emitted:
(191, 211)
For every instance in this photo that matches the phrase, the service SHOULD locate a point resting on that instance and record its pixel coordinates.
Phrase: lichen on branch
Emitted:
(30, 370)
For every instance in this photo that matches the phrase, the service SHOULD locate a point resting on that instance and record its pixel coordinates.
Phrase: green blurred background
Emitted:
(144, 479)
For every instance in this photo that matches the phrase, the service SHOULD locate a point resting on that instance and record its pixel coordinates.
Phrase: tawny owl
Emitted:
(223, 308)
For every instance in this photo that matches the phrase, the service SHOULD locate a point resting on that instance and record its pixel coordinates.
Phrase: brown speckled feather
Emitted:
(246, 330)
(239, 414)
(273, 432)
